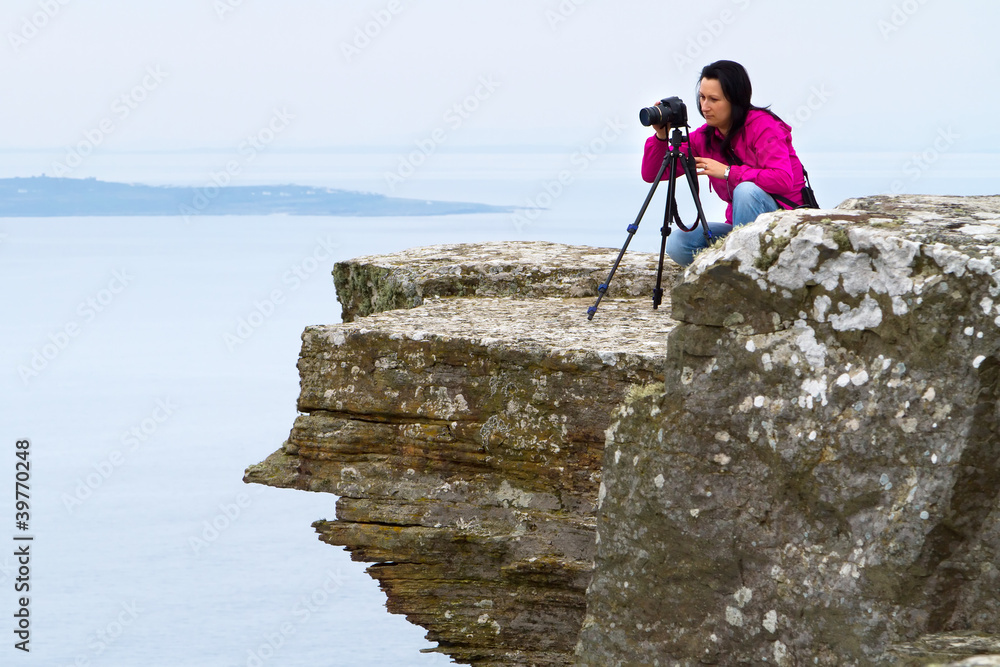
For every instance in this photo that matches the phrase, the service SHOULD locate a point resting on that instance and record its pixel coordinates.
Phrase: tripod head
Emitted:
(678, 136)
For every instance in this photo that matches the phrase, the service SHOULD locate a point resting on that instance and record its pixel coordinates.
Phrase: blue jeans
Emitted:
(749, 201)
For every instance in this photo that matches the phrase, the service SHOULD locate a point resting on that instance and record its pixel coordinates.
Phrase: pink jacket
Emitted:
(764, 146)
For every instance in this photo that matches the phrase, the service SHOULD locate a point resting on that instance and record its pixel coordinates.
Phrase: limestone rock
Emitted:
(464, 438)
(818, 483)
(511, 268)
(940, 650)
(978, 661)
(794, 462)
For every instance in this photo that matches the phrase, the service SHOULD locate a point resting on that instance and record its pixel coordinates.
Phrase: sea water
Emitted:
(150, 360)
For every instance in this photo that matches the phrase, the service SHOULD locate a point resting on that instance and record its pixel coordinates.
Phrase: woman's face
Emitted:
(716, 108)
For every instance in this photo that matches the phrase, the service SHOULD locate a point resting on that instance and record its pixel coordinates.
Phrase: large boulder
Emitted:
(818, 481)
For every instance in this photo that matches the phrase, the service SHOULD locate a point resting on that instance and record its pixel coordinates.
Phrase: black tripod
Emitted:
(669, 162)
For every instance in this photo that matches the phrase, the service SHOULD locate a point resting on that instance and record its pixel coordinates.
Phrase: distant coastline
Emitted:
(43, 196)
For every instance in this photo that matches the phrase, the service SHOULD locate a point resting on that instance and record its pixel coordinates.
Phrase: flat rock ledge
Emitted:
(464, 436)
(522, 269)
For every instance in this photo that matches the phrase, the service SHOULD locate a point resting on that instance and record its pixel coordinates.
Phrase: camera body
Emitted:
(670, 111)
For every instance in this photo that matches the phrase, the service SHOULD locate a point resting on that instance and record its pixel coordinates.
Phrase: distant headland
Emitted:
(43, 196)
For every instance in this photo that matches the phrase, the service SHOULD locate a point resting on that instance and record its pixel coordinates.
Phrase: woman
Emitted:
(745, 151)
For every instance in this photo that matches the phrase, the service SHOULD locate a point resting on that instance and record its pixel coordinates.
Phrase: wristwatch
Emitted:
(726, 175)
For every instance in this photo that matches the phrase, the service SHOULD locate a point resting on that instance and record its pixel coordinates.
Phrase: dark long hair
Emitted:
(735, 83)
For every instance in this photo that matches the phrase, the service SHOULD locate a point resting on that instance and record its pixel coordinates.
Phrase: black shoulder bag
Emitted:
(808, 196)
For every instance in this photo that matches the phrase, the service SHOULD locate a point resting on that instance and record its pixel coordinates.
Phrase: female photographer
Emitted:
(746, 152)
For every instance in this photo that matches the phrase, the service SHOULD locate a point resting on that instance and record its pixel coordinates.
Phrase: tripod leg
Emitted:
(668, 216)
(603, 287)
(632, 229)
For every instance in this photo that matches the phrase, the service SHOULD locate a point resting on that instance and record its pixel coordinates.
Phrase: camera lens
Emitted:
(651, 115)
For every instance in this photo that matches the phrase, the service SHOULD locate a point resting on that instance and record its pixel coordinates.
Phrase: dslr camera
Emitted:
(670, 111)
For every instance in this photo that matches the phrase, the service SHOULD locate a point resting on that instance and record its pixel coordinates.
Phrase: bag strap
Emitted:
(808, 196)
(785, 200)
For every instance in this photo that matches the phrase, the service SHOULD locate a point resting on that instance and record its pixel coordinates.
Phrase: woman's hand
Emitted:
(661, 130)
(709, 167)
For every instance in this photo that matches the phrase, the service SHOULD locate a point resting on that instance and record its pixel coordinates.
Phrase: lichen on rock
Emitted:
(828, 440)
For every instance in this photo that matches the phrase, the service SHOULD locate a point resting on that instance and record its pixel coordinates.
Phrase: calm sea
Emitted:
(150, 360)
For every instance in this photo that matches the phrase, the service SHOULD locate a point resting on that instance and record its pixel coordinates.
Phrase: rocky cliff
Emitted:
(797, 461)
(464, 435)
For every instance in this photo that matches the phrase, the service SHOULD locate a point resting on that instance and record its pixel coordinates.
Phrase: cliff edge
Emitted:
(796, 461)
(464, 432)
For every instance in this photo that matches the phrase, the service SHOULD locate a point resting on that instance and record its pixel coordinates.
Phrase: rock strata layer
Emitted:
(464, 436)
(818, 483)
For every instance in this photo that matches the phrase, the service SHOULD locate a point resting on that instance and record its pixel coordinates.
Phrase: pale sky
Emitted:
(188, 74)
